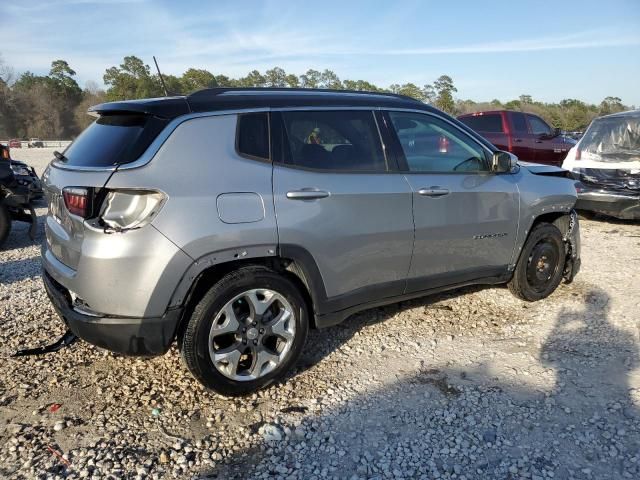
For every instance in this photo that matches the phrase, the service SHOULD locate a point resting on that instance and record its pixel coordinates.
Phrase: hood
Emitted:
(548, 170)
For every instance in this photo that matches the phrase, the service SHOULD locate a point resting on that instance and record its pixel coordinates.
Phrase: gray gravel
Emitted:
(471, 384)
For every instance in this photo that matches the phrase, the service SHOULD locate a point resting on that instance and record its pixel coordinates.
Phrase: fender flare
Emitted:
(293, 258)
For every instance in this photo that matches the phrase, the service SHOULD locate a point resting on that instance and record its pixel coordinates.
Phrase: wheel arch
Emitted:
(567, 223)
(295, 263)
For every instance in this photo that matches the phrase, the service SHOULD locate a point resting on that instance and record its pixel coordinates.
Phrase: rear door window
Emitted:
(519, 122)
(491, 122)
(113, 140)
(341, 140)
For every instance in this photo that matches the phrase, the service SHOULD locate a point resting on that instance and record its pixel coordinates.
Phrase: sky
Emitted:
(550, 50)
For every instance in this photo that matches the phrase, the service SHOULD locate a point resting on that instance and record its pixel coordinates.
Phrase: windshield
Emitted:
(612, 139)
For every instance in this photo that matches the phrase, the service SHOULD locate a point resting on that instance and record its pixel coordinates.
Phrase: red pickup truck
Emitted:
(525, 135)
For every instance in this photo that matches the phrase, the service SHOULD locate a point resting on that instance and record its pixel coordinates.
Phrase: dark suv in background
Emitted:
(525, 135)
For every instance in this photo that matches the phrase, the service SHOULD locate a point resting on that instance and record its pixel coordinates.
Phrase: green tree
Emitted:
(444, 90)
(411, 90)
(292, 81)
(611, 105)
(276, 77)
(429, 94)
(196, 79)
(360, 85)
(328, 79)
(311, 79)
(131, 80)
(526, 99)
(253, 79)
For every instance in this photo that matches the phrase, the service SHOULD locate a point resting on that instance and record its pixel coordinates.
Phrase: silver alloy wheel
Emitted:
(252, 334)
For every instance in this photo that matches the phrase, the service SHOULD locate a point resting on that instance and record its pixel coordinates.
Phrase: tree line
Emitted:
(54, 105)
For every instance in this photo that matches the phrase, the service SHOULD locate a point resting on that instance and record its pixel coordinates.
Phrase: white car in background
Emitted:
(606, 163)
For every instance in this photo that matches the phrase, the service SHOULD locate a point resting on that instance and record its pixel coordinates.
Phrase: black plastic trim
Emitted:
(125, 335)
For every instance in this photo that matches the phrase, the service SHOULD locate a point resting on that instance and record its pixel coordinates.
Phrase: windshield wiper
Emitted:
(60, 156)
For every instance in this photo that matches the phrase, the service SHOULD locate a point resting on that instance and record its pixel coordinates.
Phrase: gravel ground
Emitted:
(469, 384)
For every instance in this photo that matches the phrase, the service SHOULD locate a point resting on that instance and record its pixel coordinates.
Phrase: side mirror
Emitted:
(556, 132)
(503, 162)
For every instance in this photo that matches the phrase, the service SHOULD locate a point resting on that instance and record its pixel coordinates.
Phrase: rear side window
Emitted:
(253, 135)
(113, 140)
(484, 123)
(333, 140)
(519, 122)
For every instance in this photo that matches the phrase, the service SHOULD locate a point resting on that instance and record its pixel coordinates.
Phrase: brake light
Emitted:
(443, 144)
(578, 154)
(5, 153)
(76, 199)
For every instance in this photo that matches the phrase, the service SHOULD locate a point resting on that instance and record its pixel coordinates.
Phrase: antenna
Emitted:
(164, 87)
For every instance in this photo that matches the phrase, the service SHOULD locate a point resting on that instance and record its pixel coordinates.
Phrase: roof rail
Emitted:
(212, 92)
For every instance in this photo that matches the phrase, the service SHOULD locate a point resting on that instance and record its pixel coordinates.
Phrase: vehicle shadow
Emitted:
(322, 343)
(580, 422)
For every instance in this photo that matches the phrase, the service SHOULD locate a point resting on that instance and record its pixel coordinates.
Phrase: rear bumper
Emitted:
(125, 335)
(619, 204)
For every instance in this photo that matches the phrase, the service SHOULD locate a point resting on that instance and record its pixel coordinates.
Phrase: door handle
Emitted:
(433, 192)
(307, 194)
(538, 141)
(517, 140)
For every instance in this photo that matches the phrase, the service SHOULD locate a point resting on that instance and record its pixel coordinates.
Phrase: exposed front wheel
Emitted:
(247, 331)
(5, 223)
(540, 267)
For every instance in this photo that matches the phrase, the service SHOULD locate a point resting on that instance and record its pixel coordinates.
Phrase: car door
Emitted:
(522, 141)
(549, 148)
(339, 200)
(465, 216)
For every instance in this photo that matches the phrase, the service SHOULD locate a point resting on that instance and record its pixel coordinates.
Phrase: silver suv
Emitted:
(234, 220)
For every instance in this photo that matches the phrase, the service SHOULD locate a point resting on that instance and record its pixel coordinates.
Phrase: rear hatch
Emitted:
(75, 180)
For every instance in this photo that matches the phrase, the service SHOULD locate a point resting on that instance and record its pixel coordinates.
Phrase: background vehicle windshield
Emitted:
(613, 139)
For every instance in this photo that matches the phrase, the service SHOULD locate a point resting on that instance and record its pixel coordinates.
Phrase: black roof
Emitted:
(215, 99)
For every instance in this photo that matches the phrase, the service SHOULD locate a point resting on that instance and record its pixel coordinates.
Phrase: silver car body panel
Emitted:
(473, 227)
(361, 234)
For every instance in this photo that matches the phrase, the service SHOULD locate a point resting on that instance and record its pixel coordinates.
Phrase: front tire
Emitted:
(246, 332)
(540, 266)
(5, 224)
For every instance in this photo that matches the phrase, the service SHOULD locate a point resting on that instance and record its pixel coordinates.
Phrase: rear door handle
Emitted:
(433, 192)
(307, 194)
(517, 140)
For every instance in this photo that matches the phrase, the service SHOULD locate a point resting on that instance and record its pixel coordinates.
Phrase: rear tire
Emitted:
(5, 223)
(247, 331)
(540, 266)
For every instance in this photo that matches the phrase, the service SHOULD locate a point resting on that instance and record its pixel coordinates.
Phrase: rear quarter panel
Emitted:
(206, 181)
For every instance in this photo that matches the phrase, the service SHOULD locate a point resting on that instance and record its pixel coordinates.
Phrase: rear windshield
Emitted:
(113, 140)
(612, 139)
(484, 123)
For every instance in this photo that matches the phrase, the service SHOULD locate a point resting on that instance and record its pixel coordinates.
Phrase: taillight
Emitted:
(76, 199)
(5, 152)
(578, 154)
(129, 209)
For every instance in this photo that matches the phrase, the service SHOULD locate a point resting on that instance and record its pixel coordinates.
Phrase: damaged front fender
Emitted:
(570, 228)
